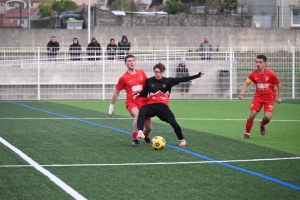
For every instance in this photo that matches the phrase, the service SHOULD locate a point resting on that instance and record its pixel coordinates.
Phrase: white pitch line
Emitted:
(51, 176)
(157, 163)
(126, 118)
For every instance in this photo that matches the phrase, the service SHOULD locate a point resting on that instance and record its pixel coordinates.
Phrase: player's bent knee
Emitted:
(142, 113)
(172, 122)
(268, 116)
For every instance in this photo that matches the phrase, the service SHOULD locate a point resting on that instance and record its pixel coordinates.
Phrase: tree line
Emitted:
(171, 6)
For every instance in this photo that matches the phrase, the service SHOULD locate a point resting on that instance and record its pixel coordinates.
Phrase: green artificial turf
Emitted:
(80, 144)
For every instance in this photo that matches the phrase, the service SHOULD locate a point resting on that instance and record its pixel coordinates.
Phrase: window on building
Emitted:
(11, 5)
(22, 21)
(100, 1)
(15, 21)
(1, 4)
(296, 17)
(144, 8)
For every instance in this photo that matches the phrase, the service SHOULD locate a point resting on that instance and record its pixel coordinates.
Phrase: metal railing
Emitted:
(27, 73)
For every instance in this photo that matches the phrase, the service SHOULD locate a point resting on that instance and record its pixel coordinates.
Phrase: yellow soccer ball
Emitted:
(158, 142)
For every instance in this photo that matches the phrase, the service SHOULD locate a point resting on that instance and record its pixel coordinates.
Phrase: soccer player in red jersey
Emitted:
(264, 79)
(133, 81)
(158, 90)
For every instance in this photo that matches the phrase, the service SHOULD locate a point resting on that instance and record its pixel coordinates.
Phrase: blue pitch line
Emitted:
(172, 146)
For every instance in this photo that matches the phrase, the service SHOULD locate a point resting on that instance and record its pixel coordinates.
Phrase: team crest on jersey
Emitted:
(141, 78)
(164, 86)
(267, 78)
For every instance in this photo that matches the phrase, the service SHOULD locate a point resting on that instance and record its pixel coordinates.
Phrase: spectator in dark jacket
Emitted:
(75, 50)
(111, 49)
(52, 48)
(93, 50)
(182, 71)
(123, 47)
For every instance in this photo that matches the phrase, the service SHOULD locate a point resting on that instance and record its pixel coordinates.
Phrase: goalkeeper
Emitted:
(158, 90)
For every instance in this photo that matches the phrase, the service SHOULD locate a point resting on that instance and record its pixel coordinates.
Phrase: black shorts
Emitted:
(162, 111)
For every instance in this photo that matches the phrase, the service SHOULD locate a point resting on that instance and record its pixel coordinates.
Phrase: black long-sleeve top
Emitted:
(52, 48)
(159, 90)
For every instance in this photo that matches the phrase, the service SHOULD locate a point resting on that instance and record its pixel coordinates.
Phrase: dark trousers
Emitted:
(74, 58)
(184, 87)
(163, 112)
(111, 56)
(51, 56)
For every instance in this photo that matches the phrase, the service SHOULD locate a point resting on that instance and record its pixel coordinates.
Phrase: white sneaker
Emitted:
(182, 143)
(140, 135)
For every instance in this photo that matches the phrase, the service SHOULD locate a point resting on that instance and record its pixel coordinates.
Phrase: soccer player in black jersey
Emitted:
(158, 90)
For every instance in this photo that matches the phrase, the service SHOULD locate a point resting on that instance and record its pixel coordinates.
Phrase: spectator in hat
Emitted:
(182, 71)
(123, 47)
(111, 49)
(93, 50)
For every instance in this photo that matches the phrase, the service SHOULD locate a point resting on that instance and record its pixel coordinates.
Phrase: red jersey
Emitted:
(264, 82)
(132, 83)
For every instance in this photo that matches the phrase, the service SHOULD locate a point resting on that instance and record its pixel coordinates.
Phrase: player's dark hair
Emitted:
(262, 57)
(128, 56)
(159, 66)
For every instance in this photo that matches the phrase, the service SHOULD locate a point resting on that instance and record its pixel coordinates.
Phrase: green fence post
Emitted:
(168, 15)
(205, 10)
(95, 15)
(131, 13)
(278, 16)
(242, 15)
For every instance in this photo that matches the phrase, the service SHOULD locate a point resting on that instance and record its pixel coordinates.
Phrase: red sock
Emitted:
(147, 135)
(263, 122)
(134, 135)
(249, 125)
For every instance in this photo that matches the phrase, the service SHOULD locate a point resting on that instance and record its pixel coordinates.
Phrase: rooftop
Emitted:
(15, 13)
(7, 23)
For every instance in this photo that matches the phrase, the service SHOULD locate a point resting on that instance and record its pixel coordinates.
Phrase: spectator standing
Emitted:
(52, 48)
(182, 71)
(75, 50)
(111, 49)
(123, 47)
(205, 49)
(93, 50)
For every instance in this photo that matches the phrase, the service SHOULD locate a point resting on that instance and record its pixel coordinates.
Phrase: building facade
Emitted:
(272, 14)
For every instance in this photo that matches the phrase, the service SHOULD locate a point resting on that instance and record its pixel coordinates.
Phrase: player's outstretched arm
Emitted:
(189, 78)
(201, 73)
